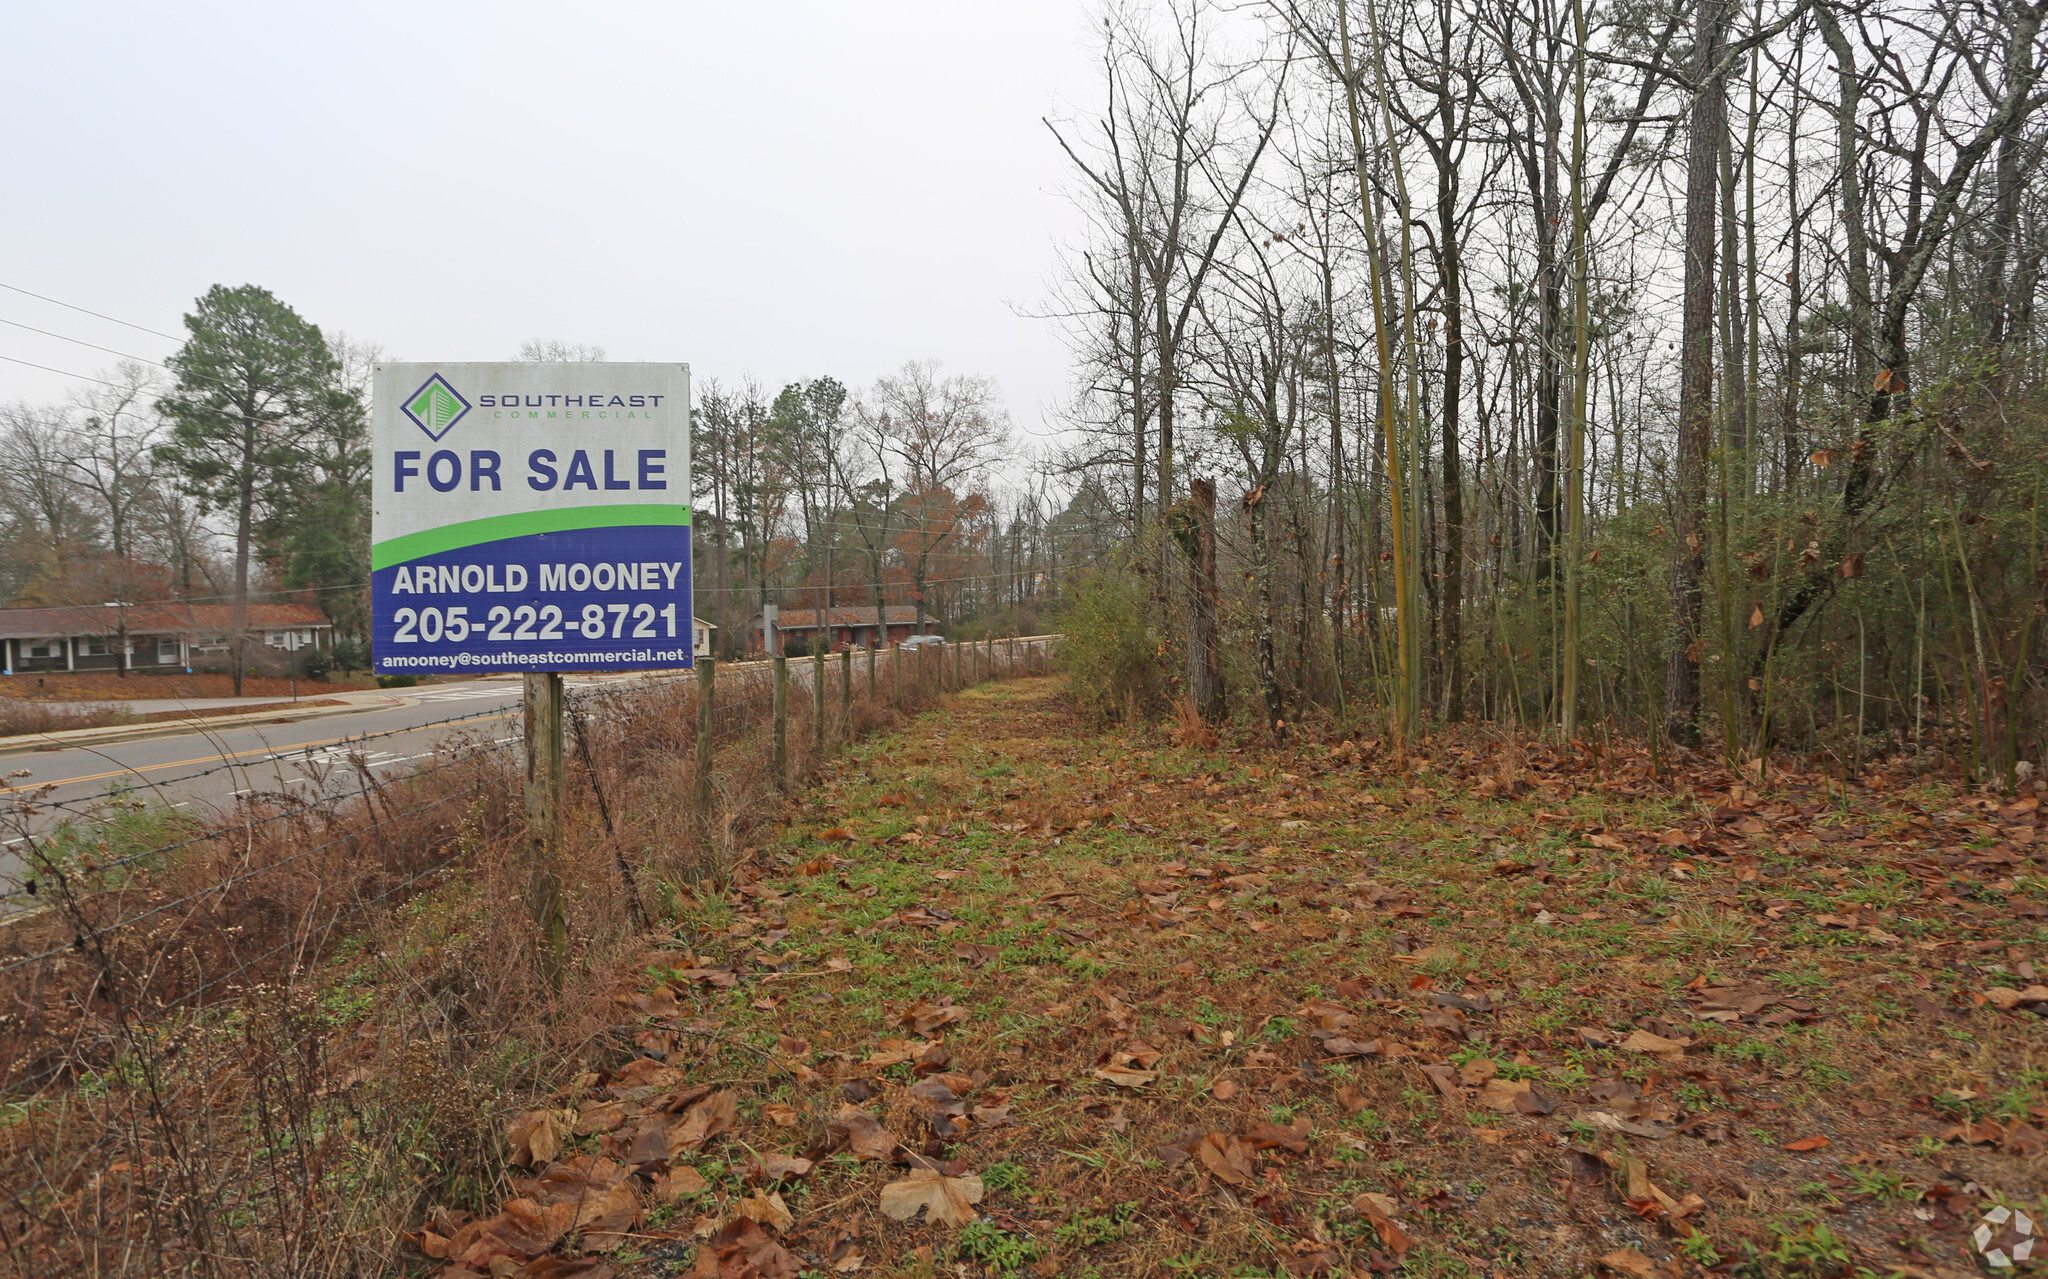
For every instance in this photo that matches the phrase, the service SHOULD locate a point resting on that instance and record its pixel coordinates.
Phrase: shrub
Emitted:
(317, 663)
(1111, 650)
(397, 681)
(796, 648)
(350, 655)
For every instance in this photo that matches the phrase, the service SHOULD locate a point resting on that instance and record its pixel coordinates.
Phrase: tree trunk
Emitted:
(1452, 271)
(245, 509)
(1262, 571)
(1196, 533)
(1695, 384)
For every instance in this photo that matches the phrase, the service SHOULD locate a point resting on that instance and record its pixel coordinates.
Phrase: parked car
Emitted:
(919, 641)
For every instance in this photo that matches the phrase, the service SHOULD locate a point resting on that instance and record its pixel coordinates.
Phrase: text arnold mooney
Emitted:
(480, 579)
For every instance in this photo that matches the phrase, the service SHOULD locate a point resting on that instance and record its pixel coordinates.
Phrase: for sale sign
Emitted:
(531, 517)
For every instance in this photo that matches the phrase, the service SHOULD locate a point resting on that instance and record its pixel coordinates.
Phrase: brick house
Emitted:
(844, 627)
(150, 637)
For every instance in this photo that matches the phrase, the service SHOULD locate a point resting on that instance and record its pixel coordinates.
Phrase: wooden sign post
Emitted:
(544, 796)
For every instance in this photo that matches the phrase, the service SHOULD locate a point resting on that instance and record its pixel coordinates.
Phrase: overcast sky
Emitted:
(785, 190)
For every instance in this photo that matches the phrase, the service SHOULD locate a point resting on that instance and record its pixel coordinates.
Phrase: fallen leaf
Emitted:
(863, 1135)
(1394, 1239)
(1371, 1202)
(703, 1121)
(781, 1115)
(2006, 998)
(774, 1166)
(536, 1137)
(1294, 1136)
(1628, 1261)
(1615, 1123)
(1349, 1097)
(1226, 1158)
(742, 1248)
(1446, 1080)
(1223, 1089)
(1339, 1046)
(1807, 1143)
(1643, 1041)
(768, 1209)
(680, 1183)
(945, 1200)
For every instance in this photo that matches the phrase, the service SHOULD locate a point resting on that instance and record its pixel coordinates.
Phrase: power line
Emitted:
(143, 328)
(83, 377)
(140, 359)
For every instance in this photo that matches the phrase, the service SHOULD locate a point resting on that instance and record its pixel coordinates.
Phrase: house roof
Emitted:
(806, 619)
(172, 618)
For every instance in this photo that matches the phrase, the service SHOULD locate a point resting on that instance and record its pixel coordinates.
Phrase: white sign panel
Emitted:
(531, 517)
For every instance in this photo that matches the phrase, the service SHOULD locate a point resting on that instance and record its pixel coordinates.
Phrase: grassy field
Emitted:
(1011, 994)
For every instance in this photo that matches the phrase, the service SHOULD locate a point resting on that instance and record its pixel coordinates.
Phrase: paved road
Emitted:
(209, 769)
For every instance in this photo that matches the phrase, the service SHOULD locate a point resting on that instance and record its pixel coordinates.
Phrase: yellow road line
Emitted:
(217, 759)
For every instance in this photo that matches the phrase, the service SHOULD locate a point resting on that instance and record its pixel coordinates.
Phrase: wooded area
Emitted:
(1646, 369)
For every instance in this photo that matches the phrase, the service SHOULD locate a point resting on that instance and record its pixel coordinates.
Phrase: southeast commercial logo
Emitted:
(436, 407)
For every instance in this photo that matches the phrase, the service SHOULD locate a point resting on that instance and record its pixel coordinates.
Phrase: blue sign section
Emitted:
(594, 599)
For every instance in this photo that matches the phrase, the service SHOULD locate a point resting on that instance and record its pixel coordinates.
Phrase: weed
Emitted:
(1002, 1252)
(1097, 1229)
(1879, 1184)
(1808, 1250)
(1005, 1178)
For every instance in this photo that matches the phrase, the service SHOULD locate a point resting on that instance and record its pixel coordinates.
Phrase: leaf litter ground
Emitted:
(1012, 995)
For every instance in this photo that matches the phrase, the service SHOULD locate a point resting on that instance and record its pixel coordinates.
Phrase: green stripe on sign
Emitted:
(497, 528)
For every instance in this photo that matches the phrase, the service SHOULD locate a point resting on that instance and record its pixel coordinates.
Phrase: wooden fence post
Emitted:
(544, 799)
(871, 672)
(957, 656)
(707, 725)
(779, 709)
(896, 672)
(845, 693)
(817, 708)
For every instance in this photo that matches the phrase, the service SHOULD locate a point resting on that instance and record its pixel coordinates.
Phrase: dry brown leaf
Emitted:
(864, 1136)
(1339, 1046)
(1125, 1077)
(2006, 998)
(1642, 1041)
(536, 1137)
(768, 1209)
(1370, 1202)
(944, 1200)
(1394, 1239)
(1628, 1261)
(742, 1248)
(780, 1115)
(1226, 1158)
(703, 1121)
(680, 1183)
(1294, 1136)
